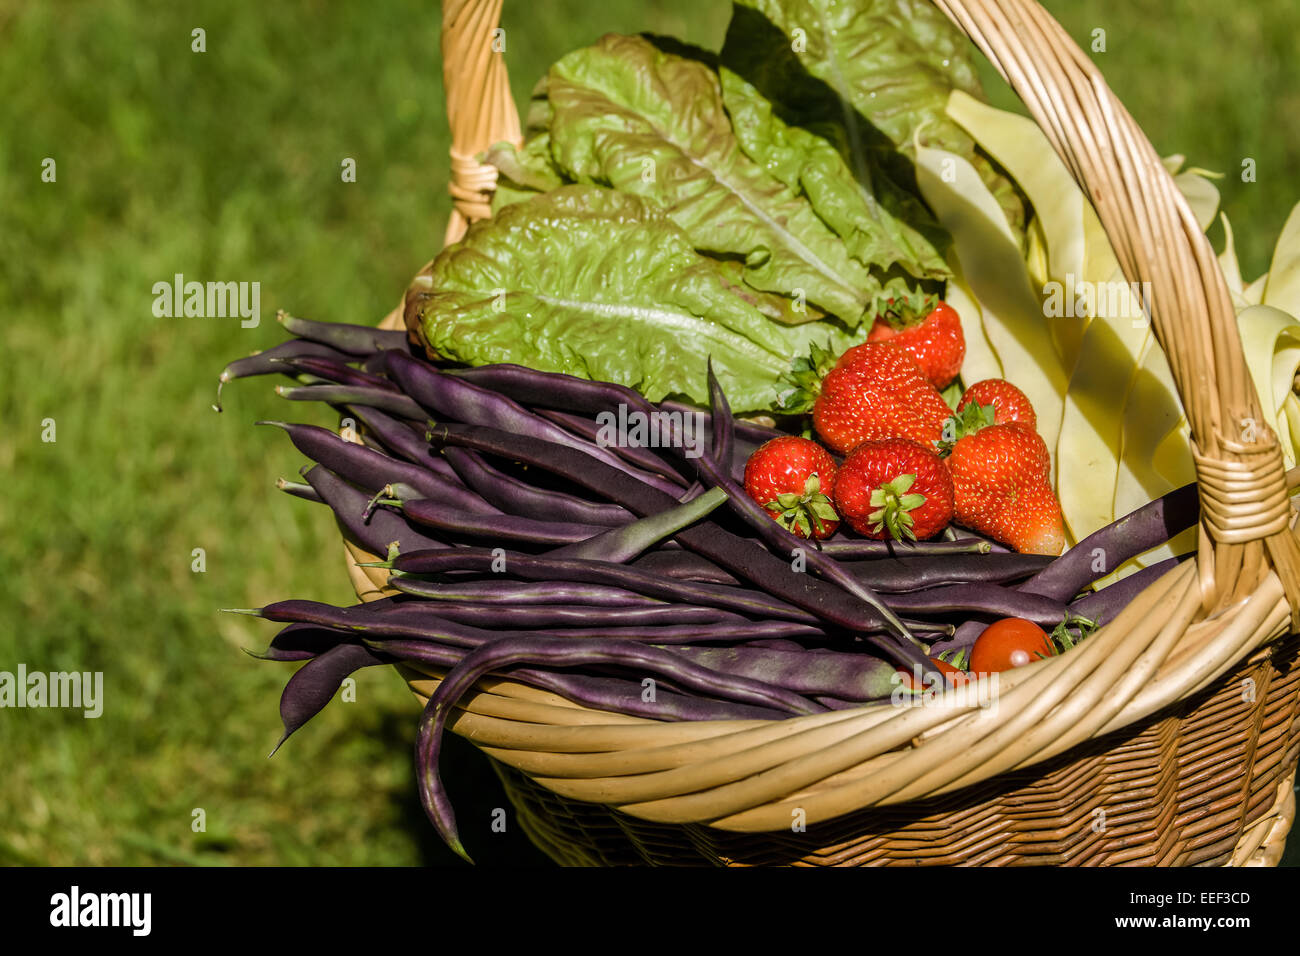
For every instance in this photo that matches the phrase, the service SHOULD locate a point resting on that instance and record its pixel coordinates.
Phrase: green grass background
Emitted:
(225, 165)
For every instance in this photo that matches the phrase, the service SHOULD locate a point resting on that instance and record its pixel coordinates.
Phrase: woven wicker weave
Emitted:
(1170, 737)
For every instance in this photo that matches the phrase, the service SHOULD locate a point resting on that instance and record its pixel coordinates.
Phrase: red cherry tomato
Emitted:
(1011, 642)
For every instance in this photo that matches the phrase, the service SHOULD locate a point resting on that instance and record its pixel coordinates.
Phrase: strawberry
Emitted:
(895, 489)
(1009, 403)
(794, 478)
(1002, 488)
(877, 391)
(931, 334)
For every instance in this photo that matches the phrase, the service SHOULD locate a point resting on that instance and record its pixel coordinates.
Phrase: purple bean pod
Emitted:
(914, 574)
(845, 548)
(722, 425)
(590, 431)
(301, 641)
(684, 566)
(496, 592)
(383, 528)
(965, 636)
(453, 398)
(527, 617)
(520, 498)
(313, 685)
(363, 620)
(855, 677)
(336, 371)
(393, 402)
(556, 652)
(355, 340)
(1101, 606)
(1149, 526)
(372, 470)
(266, 362)
(612, 694)
(984, 599)
(299, 490)
(496, 526)
(545, 568)
(403, 440)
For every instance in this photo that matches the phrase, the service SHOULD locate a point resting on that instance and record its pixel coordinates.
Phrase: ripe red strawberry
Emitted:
(1009, 403)
(894, 489)
(876, 391)
(794, 478)
(931, 334)
(1002, 488)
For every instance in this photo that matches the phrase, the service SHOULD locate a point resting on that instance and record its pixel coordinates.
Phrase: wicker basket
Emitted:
(1170, 737)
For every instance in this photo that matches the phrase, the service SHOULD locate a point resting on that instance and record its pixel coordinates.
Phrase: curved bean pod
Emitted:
(267, 362)
(1151, 525)
(546, 568)
(566, 653)
(519, 592)
(383, 399)
(458, 400)
(353, 339)
(372, 470)
(520, 498)
(383, 528)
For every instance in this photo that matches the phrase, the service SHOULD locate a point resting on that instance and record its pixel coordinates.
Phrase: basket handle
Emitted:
(480, 109)
(1245, 509)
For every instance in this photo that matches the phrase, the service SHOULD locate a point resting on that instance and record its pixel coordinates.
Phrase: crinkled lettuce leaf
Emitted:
(527, 170)
(632, 116)
(521, 173)
(869, 76)
(810, 164)
(604, 285)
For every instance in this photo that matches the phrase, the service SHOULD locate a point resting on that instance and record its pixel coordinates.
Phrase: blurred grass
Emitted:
(225, 165)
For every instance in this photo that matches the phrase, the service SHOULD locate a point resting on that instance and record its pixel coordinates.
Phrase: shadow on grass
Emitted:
(476, 794)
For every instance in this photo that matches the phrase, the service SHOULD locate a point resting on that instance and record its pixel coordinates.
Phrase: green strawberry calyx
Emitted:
(908, 310)
(804, 514)
(965, 422)
(805, 380)
(894, 507)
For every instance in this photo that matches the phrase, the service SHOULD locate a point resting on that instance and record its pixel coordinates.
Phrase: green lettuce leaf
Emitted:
(812, 165)
(604, 285)
(871, 76)
(630, 115)
(521, 173)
